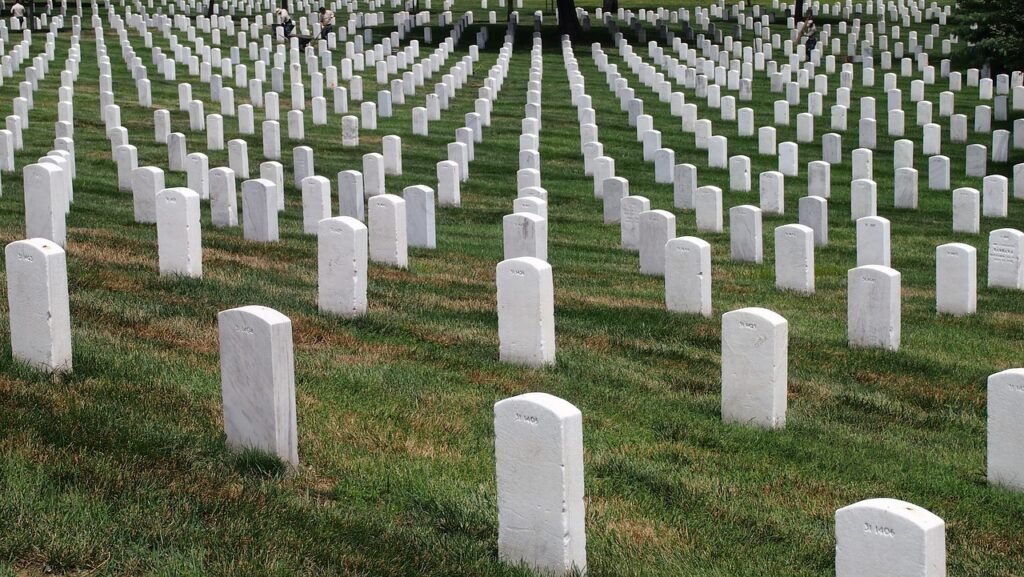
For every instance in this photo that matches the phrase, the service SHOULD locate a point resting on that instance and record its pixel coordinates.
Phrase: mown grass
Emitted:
(122, 469)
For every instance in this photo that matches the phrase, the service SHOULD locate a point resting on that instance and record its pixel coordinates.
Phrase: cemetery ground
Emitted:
(121, 467)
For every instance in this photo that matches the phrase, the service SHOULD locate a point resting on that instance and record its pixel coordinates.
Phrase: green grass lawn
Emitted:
(122, 469)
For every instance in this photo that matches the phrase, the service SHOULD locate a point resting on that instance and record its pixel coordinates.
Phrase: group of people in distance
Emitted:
(326, 22)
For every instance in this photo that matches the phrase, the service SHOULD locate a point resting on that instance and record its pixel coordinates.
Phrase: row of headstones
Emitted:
(18, 122)
(357, 19)
(271, 133)
(226, 95)
(525, 231)
(754, 341)
(805, 122)
(715, 62)
(350, 124)
(966, 213)
(983, 113)
(257, 373)
(355, 58)
(229, 67)
(421, 116)
(905, 14)
(1003, 81)
(183, 256)
(688, 289)
(53, 175)
(763, 48)
(146, 182)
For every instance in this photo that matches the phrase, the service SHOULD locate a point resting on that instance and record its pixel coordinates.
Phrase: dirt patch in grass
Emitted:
(118, 282)
(590, 300)
(310, 334)
(99, 246)
(213, 256)
(638, 534)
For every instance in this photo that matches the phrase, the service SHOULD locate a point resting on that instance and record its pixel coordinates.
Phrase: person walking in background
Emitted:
(809, 30)
(18, 12)
(326, 22)
(285, 21)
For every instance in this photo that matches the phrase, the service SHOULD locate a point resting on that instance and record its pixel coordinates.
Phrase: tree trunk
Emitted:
(567, 21)
(799, 14)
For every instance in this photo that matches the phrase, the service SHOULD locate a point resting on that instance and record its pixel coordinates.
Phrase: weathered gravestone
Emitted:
(614, 190)
(956, 279)
(273, 171)
(419, 210)
(532, 205)
(257, 371)
(387, 222)
(197, 170)
(351, 197)
(178, 233)
(147, 181)
(45, 202)
(745, 234)
(772, 192)
(538, 449)
(632, 208)
(1006, 259)
(813, 213)
(794, 258)
(1006, 429)
(303, 164)
(373, 174)
(342, 251)
(873, 241)
(223, 197)
(994, 196)
(259, 210)
(889, 538)
(525, 234)
(37, 297)
(688, 276)
(526, 314)
(966, 210)
(708, 208)
(448, 190)
(316, 202)
(905, 188)
(873, 307)
(755, 357)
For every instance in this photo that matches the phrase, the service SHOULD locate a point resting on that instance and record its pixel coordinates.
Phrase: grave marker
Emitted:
(526, 321)
(956, 279)
(342, 253)
(259, 210)
(539, 454)
(387, 230)
(888, 537)
(794, 258)
(257, 371)
(688, 276)
(37, 297)
(178, 233)
(755, 351)
(873, 307)
(1006, 429)
(1005, 262)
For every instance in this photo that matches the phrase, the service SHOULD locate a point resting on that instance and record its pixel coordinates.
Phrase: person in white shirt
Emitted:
(326, 22)
(809, 31)
(18, 11)
(285, 21)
